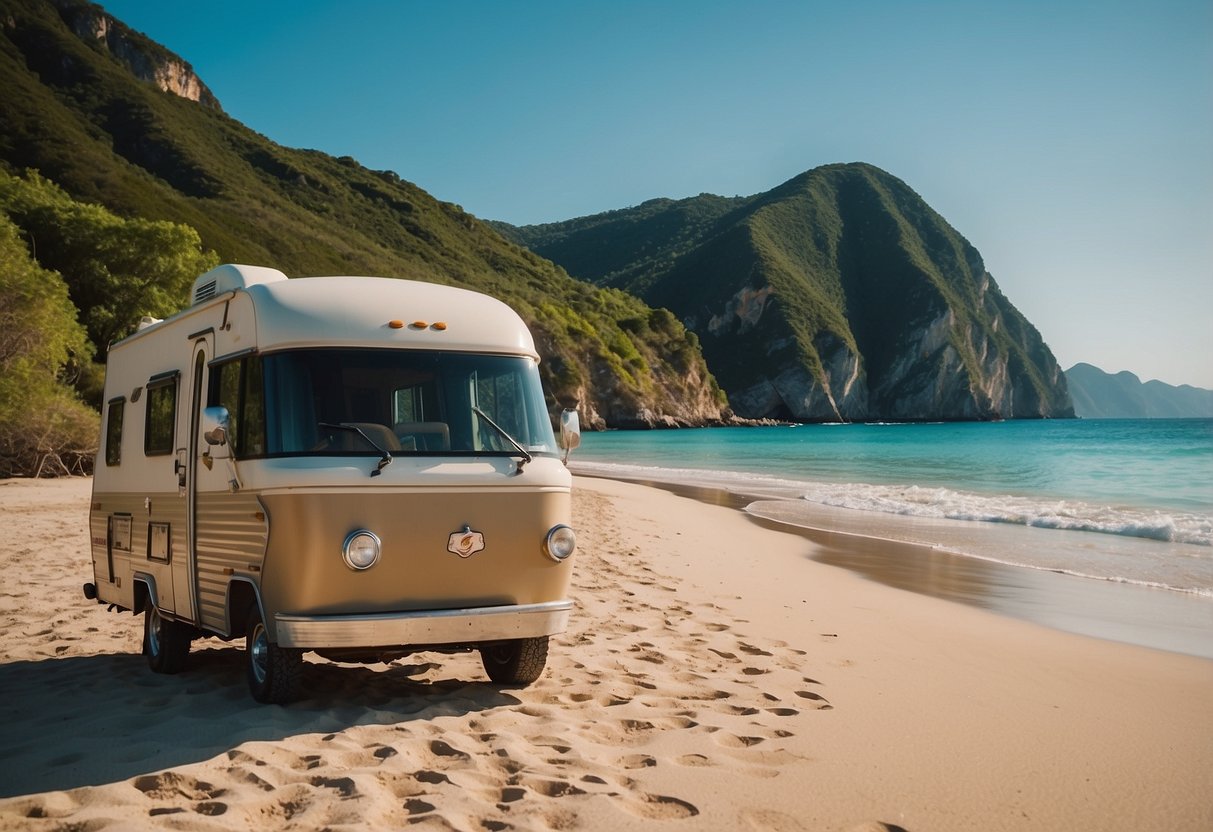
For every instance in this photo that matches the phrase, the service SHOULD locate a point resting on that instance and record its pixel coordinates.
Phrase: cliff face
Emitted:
(143, 57)
(839, 295)
(77, 106)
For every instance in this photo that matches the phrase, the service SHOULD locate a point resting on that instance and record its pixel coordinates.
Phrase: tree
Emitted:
(44, 427)
(117, 270)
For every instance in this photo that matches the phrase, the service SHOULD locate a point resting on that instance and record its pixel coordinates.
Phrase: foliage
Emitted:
(118, 270)
(44, 427)
(75, 114)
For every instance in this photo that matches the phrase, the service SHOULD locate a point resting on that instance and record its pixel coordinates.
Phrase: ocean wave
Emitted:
(1067, 515)
(940, 503)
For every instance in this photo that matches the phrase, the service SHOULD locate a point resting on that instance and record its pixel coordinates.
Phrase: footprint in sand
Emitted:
(169, 785)
(239, 775)
(344, 786)
(752, 650)
(823, 703)
(431, 777)
(738, 710)
(636, 761)
(416, 806)
(211, 808)
(511, 794)
(660, 807)
(553, 788)
(728, 740)
(767, 820)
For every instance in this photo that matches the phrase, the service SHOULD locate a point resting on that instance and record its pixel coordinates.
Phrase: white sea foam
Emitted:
(1070, 515)
(942, 503)
(1148, 548)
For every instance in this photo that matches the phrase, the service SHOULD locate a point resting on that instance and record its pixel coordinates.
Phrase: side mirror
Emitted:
(216, 425)
(570, 432)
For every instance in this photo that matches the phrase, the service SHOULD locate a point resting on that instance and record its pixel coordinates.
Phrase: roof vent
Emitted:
(229, 277)
(204, 291)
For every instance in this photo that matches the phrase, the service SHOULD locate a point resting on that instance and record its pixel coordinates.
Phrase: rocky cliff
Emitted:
(83, 102)
(143, 57)
(840, 295)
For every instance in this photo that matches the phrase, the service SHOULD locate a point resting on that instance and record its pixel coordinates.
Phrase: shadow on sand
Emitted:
(83, 721)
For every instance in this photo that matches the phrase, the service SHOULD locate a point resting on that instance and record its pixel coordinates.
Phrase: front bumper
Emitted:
(424, 627)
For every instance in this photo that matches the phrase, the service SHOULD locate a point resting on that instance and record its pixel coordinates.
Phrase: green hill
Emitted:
(839, 295)
(103, 112)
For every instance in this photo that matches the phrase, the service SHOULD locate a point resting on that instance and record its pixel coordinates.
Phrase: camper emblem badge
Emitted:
(465, 542)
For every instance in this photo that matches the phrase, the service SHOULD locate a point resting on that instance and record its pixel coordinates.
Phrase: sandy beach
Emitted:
(714, 676)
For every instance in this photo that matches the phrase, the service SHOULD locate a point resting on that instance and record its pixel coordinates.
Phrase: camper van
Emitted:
(355, 466)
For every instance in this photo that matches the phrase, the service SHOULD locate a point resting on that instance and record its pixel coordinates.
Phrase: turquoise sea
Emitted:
(1125, 501)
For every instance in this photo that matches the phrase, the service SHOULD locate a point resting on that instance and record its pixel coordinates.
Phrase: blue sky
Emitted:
(1070, 142)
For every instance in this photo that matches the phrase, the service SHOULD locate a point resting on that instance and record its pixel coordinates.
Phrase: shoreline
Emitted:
(1157, 618)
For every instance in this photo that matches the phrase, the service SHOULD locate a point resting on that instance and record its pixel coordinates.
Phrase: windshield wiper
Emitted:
(384, 461)
(526, 456)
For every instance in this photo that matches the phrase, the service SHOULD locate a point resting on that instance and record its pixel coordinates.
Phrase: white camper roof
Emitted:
(384, 312)
(348, 312)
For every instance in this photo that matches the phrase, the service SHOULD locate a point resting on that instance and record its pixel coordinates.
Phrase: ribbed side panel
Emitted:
(232, 533)
(158, 507)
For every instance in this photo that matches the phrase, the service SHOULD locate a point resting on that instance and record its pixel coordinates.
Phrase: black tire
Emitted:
(166, 643)
(517, 662)
(273, 672)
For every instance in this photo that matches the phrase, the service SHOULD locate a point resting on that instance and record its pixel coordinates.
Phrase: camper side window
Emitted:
(237, 385)
(161, 416)
(113, 432)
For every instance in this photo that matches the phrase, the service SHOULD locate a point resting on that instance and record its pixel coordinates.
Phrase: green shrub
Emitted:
(44, 427)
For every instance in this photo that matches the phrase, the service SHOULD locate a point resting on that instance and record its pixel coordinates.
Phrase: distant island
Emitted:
(1101, 395)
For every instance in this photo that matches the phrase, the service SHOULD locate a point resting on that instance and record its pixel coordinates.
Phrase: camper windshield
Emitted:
(365, 401)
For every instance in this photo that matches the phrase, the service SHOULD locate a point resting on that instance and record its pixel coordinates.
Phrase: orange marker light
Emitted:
(420, 324)
(440, 325)
(396, 324)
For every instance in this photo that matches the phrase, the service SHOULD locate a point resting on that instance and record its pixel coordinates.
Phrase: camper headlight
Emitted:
(360, 550)
(560, 542)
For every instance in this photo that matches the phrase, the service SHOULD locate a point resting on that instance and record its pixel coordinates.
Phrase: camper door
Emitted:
(192, 475)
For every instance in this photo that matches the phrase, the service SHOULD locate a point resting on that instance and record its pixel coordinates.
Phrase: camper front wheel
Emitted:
(517, 662)
(273, 672)
(166, 643)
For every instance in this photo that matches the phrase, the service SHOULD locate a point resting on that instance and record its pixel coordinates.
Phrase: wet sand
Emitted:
(865, 543)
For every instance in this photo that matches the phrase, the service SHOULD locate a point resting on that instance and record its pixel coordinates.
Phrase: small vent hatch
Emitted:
(206, 291)
(223, 279)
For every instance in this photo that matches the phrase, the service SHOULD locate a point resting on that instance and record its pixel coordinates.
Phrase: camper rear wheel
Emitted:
(517, 662)
(273, 672)
(166, 643)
